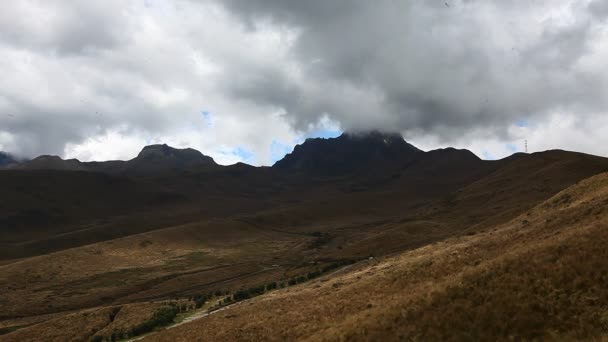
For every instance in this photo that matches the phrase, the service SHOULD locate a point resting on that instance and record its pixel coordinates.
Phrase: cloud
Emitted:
(76, 75)
(425, 68)
(87, 79)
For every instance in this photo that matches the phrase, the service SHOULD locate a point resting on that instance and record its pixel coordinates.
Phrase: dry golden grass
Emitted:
(129, 316)
(83, 325)
(154, 264)
(78, 326)
(543, 275)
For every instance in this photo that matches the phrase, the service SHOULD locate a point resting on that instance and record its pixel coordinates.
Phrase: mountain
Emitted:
(156, 158)
(349, 153)
(6, 159)
(444, 229)
(47, 162)
(152, 159)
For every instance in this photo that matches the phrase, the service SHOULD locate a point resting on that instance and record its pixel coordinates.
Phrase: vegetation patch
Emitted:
(244, 294)
(6, 330)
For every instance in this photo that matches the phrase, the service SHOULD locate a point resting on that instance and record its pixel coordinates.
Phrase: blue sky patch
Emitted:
(207, 118)
(245, 155)
(487, 155)
(324, 133)
(278, 150)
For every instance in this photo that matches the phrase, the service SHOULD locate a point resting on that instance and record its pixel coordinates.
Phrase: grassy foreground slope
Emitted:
(542, 275)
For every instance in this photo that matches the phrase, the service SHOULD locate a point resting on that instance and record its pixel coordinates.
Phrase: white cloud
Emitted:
(98, 80)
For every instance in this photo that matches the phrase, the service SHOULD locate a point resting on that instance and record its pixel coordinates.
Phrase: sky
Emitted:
(246, 80)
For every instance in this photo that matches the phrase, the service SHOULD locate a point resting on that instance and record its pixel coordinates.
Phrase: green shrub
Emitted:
(162, 317)
(200, 301)
(241, 295)
(314, 274)
(256, 291)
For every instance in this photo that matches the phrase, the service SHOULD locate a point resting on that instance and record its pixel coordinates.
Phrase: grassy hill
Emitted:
(541, 275)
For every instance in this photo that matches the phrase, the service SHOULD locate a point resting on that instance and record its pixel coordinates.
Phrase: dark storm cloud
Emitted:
(434, 68)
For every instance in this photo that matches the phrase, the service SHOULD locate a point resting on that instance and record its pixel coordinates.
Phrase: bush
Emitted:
(162, 317)
(330, 267)
(241, 295)
(96, 338)
(271, 286)
(335, 265)
(200, 301)
(256, 291)
(251, 292)
(300, 279)
(314, 274)
(291, 282)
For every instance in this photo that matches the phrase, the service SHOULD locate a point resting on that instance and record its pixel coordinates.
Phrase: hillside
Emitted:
(50, 210)
(539, 276)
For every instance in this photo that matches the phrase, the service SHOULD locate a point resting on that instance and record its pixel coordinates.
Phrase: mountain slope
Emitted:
(539, 276)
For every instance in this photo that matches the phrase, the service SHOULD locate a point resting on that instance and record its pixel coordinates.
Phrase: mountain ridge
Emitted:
(152, 158)
(349, 153)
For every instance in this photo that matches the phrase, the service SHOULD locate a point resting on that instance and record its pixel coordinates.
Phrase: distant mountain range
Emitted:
(347, 154)
(152, 159)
